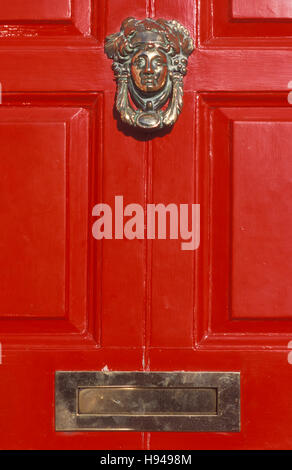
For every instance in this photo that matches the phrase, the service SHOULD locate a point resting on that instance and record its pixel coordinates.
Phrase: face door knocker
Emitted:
(149, 61)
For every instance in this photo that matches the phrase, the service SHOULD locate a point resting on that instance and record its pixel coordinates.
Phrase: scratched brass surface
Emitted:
(147, 401)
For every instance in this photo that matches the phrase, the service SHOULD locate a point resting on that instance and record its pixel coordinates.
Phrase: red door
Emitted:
(71, 303)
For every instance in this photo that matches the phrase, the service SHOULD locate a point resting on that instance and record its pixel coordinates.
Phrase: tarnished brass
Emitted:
(150, 59)
(148, 401)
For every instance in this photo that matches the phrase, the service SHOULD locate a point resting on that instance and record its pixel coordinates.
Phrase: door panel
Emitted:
(33, 176)
(248, 211)
(41, 10)
(44, 207)
(123, 270)
(263, 10)
(245, 22)
(71, 303)
(261, 248)
(44, 18)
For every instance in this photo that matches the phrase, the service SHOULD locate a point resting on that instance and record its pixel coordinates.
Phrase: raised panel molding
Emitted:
(45, 219)
(246, 301)
(261, 9)
(52, 19)
(239, 23)
(35, 10)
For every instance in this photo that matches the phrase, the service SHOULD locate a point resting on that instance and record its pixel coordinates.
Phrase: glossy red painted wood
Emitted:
(238, 23)
(68, 302)
(37, 10)
(123, 296)
(261, 214)
(262, 9)
(47, 18)
(173, 181)
(223, 295)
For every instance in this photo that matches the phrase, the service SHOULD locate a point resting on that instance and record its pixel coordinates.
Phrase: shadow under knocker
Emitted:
(149, 61)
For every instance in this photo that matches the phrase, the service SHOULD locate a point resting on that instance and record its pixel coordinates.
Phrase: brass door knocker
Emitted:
(150, 59)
